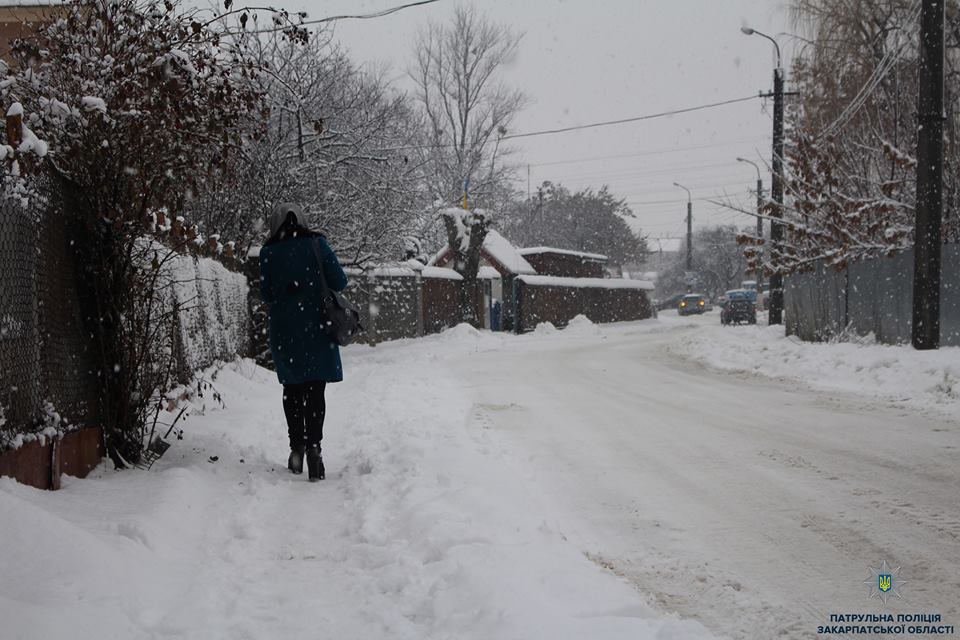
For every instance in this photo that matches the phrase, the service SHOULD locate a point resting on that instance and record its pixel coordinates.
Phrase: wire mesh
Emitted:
(46, 355)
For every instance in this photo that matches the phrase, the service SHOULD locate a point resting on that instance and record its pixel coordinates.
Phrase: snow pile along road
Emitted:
(900, 375)
(420, 530)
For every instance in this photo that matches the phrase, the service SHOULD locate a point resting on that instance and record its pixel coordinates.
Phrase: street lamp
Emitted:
(776, 189)
(759, 271)
(689, 230)
(750, 32)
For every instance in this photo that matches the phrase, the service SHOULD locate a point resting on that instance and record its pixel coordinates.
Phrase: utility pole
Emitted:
(759, 272)
(540, 205)
(776, 189)
(689, 274)
(776, 193)
(926, 236)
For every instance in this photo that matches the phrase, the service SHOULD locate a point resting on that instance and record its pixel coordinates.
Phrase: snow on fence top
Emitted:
(440, 272)
(385, 271)
(44, 4)
(564, 252)
(587, 283)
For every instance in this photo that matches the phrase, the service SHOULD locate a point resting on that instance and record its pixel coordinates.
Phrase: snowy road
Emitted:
(754, 506)
(589, 483)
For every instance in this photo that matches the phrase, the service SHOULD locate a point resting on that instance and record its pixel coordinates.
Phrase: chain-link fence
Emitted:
(20, 395)
(46, 358)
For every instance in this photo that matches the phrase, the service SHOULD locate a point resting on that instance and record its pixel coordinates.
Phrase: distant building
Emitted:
(18, 17)
(549, 261)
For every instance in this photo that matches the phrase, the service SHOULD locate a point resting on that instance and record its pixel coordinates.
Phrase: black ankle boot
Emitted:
(295, 461)
(315, 470)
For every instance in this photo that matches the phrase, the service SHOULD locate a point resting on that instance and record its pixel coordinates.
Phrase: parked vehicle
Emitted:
(738, 309)
(749, 294)
(692, 303)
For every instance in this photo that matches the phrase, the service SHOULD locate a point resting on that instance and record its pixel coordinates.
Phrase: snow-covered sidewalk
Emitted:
(419, 531)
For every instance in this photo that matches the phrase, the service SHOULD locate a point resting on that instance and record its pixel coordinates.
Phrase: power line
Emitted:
(647, 153)
(579, 126)
(676, 200)
(702, 171)
(879, 73)
(362, 16)
(626, 120)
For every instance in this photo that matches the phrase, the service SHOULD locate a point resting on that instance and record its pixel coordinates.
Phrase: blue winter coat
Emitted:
(289, 284)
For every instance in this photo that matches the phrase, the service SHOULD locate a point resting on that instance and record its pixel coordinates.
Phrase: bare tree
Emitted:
(466, 111)
(337, 140)
(466, 107)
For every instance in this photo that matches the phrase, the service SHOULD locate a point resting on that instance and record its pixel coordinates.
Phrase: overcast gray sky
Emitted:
(583, 61)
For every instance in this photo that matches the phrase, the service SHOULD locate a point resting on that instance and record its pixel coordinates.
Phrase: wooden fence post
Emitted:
(418, 296)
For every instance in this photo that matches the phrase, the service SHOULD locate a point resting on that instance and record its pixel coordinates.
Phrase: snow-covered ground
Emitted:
(595, 482)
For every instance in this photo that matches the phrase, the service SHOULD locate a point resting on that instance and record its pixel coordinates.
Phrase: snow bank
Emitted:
(920, 380)
(545, 329)
(581, 326)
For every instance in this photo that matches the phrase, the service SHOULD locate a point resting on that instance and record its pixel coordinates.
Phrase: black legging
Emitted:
(304, 406)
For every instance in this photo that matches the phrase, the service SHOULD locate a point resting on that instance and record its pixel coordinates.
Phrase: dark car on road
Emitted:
(692, 303)
(740, 307)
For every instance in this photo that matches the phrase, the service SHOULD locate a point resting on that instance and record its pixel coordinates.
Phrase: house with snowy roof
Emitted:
(497, 252)
(500, 264)
(549, 261)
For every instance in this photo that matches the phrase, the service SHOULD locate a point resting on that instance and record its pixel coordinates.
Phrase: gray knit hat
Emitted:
(280, 214)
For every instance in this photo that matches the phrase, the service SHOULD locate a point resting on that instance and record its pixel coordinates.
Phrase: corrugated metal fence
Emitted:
(871, 296)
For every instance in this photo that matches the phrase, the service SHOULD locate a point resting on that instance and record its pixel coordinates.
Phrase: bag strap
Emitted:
(324, 289)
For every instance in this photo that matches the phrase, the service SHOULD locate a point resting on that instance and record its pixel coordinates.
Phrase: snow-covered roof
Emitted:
(488, 273)
(565, 252)
(414, 264)
(498, 248)
(592, 283)
(506, 254)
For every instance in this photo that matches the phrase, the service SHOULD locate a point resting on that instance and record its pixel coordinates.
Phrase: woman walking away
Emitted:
(292, 263)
